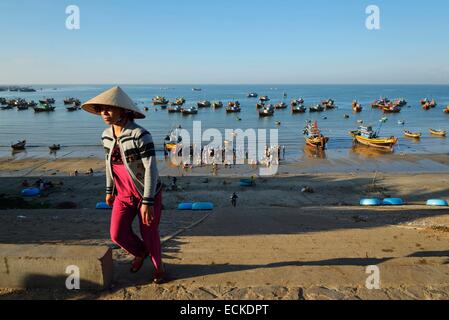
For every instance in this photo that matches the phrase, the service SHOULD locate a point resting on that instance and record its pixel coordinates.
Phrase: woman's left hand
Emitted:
(147, 214)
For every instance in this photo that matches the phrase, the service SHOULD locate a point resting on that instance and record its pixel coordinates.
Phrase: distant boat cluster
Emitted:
(44, 105)
(17, 89)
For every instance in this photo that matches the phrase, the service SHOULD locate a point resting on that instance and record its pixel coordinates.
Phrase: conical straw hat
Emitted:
(114, 97)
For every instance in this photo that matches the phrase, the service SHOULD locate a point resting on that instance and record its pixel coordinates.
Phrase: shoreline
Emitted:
(369, 161)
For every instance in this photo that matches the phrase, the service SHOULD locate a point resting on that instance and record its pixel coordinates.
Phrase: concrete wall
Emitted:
(45, 266)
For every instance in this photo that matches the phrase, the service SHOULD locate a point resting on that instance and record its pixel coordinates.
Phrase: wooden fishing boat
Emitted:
(440, 133)
(19, 146)
(400, 102)
(280, 105)
(413, 135)
(217, 104)
(366, 136)
(72, 108)
(47, 101)
(298, 109)
(234, 104)
(356, 106)
(391, 108)
(158, 100)
(267, 111)
(428, 103)
(446, 110)
(233, 109)
(380, 103)
(189, 111)
(44, 108)
(69, 101)
(173, 139)
(313, 136)
(204, 104)
(316, 108)
(178, 102)
(328, 104)
(174, 109)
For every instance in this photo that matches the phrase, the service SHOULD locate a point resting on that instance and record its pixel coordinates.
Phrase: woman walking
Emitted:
(132, 180)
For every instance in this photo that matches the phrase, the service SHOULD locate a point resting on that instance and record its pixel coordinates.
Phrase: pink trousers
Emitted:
(124, 212)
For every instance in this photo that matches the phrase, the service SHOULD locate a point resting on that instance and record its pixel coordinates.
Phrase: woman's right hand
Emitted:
(110, 200)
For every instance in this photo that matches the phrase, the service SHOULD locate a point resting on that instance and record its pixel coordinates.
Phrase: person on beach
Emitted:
(234, 198)
(133, 186)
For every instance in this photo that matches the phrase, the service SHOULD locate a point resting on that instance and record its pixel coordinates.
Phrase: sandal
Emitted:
(137, 263)
(159, 276)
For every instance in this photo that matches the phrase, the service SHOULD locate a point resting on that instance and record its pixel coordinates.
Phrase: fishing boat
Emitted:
(413, 135)
(22, 107)
(356, 106)
(179, 102)
(158, 100)
(8, 107)
(391, 108)
(400, 102)
(380, 103)
(174, 109)
(429, 104)
(313, 136)
(173, 139)
(47, 101)
(32, 103)
(298, 108)
(280, 105)
(27, 89)
(69, 101)
(296, 102)
(260, 105)
(234, 104)
(266, 111)
(3, 101)
(196, 89)
(217, 105)
(44, 108)
(252, 95)
(316, 108)
(401, 122)
(328, 104)
(446, 110)
(189, 111)
(204, 104)
(264, 98)
(366, 136)
(55, 147)
(233, 109)
(73, 108)
(440, 133)
(19, 145)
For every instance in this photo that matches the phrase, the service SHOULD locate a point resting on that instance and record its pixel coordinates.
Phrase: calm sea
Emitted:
(79, 132)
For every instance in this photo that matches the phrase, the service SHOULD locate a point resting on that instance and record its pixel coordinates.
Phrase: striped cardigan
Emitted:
(139, 157)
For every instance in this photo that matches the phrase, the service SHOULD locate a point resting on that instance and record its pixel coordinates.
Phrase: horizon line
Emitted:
(222, 84)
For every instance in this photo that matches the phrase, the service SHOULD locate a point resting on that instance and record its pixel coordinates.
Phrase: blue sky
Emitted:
(224, 42)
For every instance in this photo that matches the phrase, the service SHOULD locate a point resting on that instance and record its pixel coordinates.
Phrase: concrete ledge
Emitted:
(45, 266)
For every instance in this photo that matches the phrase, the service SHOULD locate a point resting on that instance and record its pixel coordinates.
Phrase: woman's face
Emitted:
(111, 115)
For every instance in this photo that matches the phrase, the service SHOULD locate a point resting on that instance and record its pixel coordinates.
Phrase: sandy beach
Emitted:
(279, 243)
